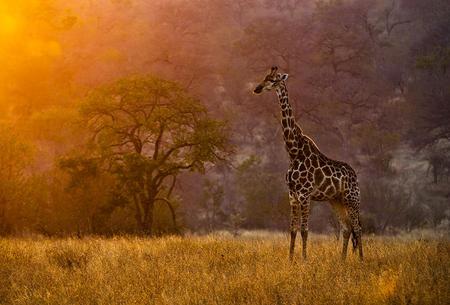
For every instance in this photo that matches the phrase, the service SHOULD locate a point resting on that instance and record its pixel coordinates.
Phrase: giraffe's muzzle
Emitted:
(258, 89)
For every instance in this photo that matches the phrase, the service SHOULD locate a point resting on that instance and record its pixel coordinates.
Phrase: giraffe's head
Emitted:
(271, 81)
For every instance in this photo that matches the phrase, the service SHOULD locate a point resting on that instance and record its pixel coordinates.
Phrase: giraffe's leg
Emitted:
(352, 206)
(295, 211)
(304, 205)
(344, 220)
(357, 232)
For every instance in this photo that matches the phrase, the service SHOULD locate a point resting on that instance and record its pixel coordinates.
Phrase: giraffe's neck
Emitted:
(292, 133)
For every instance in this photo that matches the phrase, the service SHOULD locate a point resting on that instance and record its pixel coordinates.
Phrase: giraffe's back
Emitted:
(334, 180)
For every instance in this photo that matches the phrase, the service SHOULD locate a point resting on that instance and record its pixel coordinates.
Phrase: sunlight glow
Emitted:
(9, 25)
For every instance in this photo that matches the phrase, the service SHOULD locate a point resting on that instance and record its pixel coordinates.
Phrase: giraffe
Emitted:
(314, 176)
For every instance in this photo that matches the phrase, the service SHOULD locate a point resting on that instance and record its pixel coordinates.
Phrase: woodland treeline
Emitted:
(136, 117)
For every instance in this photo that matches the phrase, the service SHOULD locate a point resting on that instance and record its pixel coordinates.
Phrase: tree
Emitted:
(213, 195)
(147, 130)
(263, 194)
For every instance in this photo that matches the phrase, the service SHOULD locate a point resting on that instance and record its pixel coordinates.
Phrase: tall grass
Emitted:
(221, 270)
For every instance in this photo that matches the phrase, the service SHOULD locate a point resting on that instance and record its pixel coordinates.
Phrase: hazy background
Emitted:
(369, 82)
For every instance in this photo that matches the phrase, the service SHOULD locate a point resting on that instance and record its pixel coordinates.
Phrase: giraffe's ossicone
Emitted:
(314, 176)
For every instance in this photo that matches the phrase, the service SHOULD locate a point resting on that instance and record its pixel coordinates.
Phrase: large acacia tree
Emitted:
(148, 130)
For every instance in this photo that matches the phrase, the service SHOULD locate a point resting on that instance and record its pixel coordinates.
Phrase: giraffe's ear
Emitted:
(273, 70)
(284, 76)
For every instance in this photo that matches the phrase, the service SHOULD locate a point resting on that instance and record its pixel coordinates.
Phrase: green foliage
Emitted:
(133, 113)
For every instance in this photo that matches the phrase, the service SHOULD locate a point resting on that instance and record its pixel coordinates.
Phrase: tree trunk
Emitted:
(147, 225)
(138, 212)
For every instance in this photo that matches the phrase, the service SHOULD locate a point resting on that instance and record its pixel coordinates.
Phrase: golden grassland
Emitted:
(221, 270)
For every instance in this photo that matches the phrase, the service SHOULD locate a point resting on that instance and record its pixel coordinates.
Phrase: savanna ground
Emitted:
(217, 269)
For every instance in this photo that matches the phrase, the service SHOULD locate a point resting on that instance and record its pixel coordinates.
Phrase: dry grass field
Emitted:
(221, 270)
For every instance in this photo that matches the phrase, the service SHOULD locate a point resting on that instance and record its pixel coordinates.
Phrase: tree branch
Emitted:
(173, 149)
(172, 210)
(158, 141)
